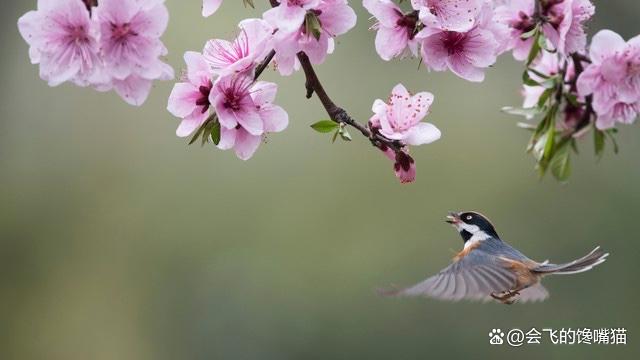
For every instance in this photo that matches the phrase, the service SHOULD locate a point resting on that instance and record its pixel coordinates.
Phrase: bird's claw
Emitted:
(506, 297)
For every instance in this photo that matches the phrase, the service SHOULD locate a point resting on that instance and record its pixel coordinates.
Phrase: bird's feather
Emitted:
(474, 276)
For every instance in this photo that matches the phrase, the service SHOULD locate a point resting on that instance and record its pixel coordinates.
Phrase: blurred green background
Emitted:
(119, 241)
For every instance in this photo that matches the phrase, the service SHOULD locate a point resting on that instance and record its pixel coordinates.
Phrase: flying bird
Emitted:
(488, 267)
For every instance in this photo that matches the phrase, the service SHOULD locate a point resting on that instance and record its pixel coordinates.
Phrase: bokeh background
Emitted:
(119, 241)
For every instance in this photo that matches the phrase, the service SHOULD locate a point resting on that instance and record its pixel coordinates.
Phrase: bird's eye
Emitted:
(469, 217)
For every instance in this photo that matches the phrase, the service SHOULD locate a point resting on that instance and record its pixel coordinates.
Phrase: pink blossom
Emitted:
(401, 118)
(63, 40)
(130, 33)
(450, 15)
(464, 53)
(209, 7)
(518, 16)
(335, 17)
(241, 55)
(246, 113)
(565, 24)
(396, 31)
(403, 164)
(612, 78)
(189, 99)
(289, 15)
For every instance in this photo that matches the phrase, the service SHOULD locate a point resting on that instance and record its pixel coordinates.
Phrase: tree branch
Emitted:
(336, 113)
(263, 64)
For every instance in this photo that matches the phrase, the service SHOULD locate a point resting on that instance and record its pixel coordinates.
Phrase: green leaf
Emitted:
(204, 130)
(550, 144)
(526, 126)
(335, 136)
(539, 74)
(537, 149)
(542, 100)
(215, 133)
(198, 133)
(312, 25)
(527, 112)
(527, 80)
(248, 3)
(535, 49)
(598, 142)
(572, 99)
(534, 143)
(207, 132)
(561, 163)
(611, 133)
(344, 134)
(530, 33)
(549, 83)
(574, 146)
(325, 126)
(542, 43)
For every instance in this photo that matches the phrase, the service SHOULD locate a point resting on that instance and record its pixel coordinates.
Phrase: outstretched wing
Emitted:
(473, 277)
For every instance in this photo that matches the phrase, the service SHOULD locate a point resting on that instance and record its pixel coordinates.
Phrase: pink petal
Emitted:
(434, 53)
(263, 92)
(250, 121)
(209, 7)
(420, 103)
(274, 117)
(391, 42)
(198, 70)
(452, 15)
(246, 144)
(336, 17)
(463, 68)
(286, 18)
(227, 138)
(190, 123)
(182, 101)
(133, 90)
(316, 50)
(604, 44)
(423, 133)
(386, 12)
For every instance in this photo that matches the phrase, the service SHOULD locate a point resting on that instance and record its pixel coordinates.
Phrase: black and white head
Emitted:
(472, 225)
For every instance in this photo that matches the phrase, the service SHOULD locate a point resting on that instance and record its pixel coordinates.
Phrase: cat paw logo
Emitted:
(495, 337)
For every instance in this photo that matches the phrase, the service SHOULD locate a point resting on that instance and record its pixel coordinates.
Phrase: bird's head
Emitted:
(470, 224)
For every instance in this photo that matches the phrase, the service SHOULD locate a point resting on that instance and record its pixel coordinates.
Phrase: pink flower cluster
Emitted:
(563, 27)
(400, 119)
(613, 79)
(221, 80)
(302, 25)
(458, 35)
(115, 45)
(294, 23)
(467, 36)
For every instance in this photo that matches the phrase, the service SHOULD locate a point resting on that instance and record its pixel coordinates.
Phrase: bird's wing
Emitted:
(473, 277)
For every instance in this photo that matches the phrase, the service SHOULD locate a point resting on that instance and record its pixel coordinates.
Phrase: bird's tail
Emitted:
(585, 263)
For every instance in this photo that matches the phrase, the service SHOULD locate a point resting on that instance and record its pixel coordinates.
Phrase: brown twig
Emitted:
(263, 64)
(336, 113)
(578, 59)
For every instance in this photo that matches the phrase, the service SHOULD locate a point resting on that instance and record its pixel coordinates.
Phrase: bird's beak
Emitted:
(453, 218)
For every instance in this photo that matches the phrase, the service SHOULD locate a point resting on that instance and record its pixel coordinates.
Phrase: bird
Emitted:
(489, 268)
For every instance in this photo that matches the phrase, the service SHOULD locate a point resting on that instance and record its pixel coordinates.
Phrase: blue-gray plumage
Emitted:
(487, 267)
